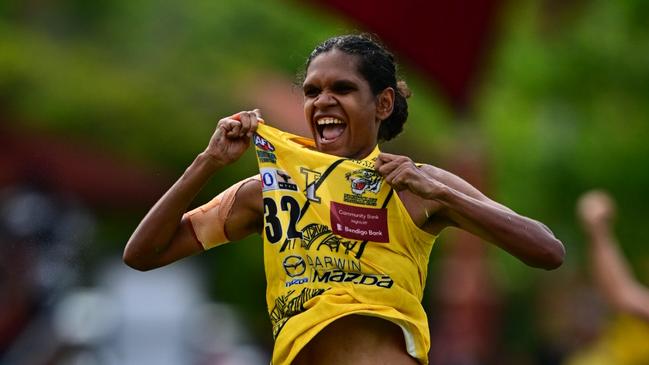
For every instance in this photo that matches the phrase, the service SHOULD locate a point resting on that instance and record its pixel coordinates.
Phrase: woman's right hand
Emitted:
(232, 137)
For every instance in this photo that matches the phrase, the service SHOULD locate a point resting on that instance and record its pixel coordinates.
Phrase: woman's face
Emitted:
(340, 106)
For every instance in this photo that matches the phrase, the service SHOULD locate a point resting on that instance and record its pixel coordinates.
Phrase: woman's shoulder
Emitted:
(439, 173)
(452, 180)
(248, 187)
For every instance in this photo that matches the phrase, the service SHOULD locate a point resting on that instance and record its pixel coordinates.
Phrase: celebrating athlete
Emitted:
(347, 230)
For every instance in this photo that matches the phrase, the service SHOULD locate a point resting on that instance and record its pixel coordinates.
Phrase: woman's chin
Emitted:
(332, 146)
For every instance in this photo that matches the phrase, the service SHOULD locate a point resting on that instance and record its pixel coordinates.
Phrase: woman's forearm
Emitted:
(162, 237)
(155, 232)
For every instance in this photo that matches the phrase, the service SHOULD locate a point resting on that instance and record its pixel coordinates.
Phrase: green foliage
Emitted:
(564, 110)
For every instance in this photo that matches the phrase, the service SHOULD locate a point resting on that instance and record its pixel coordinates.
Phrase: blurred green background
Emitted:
(561, 107)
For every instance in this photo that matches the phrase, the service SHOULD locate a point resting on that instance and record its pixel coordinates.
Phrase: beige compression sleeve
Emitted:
(208, 220)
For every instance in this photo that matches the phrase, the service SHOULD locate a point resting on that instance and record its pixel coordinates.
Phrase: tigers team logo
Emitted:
(364, 180)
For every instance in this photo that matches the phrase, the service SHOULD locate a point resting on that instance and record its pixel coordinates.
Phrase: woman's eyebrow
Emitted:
(308, 86)
(344, 83)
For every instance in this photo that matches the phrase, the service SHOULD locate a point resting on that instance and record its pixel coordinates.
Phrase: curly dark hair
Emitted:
(376, 64)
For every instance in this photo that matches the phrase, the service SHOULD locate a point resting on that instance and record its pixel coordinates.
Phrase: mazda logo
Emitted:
(294, 266)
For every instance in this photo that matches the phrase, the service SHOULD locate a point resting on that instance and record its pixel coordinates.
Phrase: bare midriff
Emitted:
(357, 340)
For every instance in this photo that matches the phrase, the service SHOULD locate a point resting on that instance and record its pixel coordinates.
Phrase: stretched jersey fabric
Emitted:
(337, 241)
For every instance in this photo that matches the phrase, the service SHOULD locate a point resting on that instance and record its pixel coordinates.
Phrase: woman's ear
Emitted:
(385, 103)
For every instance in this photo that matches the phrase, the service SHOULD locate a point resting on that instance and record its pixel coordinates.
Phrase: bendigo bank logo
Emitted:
(294, 266)
(263, 144)
(364, 180)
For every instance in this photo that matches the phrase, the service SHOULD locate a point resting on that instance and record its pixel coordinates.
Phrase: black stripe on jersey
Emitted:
(319, 182)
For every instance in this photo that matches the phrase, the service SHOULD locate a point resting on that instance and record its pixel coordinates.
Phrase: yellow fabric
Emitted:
(624, 342)
(337, 241)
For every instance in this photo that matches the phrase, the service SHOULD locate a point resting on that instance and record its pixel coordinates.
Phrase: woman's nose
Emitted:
(324, 99)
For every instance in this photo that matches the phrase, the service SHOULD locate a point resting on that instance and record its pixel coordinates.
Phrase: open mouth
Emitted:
(330, 128)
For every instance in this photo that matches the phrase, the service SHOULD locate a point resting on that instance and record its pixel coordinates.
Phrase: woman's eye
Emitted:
(311, 92)
(343, 89)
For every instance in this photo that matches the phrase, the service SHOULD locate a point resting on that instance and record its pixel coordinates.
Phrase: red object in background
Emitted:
(445, 40)
(99, 179)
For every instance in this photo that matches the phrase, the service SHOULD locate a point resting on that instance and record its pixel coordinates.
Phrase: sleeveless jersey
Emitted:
(337, 241)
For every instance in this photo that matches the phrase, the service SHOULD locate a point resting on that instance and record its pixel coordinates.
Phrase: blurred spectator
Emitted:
(55, 310)
(165, 318)
(610, 269)
(568, 315)
(42, 236)
(625, 340)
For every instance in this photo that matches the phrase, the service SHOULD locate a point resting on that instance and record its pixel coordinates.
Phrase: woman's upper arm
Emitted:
(455, 182)
(233, 215)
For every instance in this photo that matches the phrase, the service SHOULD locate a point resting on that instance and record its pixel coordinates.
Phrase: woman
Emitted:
(345, 271)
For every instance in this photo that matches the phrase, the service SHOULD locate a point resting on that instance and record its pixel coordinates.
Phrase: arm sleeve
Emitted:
(208, 220)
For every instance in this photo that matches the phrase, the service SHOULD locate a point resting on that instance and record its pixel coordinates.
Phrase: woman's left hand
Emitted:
(402, 173)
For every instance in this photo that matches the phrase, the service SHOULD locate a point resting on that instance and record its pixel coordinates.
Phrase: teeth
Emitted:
(328, 120)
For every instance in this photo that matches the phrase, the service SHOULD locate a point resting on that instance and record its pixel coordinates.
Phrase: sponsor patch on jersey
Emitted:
(275, 179)
(339, 276)
(363, 181)
(263, 144)
(359, 199)
(369, 164)
(294, 266)
(266, 157)
(296, 281)
(367, 224)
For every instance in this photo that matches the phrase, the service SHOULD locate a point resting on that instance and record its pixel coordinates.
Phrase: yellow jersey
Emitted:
(337, 241)
(625, 341)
